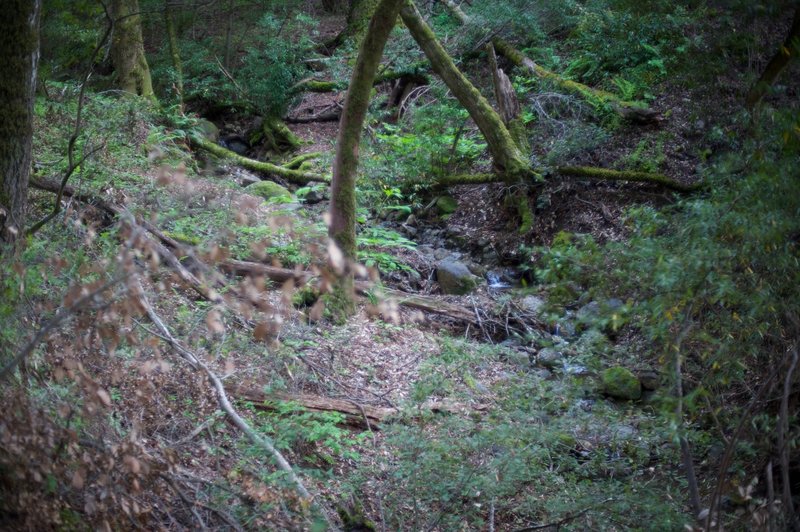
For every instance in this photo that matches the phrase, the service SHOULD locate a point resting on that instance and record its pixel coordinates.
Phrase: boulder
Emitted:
(532, 305)
(208, 130)
(620, 383)
(455, 278)
(270, 191)
(550, 358)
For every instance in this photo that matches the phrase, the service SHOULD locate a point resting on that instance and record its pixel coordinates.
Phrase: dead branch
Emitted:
(225, 404)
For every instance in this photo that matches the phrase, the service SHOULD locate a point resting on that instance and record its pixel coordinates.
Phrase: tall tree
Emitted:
(19, 44)
(790, 48)
(508, 158)
(127, 49)
(342, 228)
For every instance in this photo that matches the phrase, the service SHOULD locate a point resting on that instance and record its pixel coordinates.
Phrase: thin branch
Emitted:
(72, 165)
(225, 404)
(565, 520)
(61, 316)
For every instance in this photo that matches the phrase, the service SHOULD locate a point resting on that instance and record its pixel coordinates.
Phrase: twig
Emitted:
(225, 404)
(565, 520)
(62, 315)
(76, 132)
(783, 434)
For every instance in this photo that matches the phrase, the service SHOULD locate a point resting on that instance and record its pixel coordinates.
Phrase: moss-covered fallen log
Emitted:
(580, 172)
(633, 111)
(593, 172)
(297, 162)
(294, 176)
(414, 72)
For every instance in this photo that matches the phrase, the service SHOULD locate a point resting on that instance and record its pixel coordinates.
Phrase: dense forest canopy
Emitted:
(399, 265)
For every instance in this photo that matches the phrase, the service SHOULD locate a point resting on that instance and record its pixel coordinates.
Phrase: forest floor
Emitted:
(499, 423)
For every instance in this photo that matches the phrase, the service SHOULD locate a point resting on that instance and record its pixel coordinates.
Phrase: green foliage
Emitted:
(315, 435)
(523, 457)
(372, 245)
(640, 43)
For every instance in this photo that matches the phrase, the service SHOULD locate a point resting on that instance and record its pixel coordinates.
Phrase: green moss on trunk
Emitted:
(293, 176)
(345, 167)
(508, 159)
(127, 49)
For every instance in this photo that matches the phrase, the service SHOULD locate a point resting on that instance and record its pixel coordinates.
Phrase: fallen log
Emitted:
(429, 304)
(355, 414)
(294, 176)
(633, 111)
(578, 172)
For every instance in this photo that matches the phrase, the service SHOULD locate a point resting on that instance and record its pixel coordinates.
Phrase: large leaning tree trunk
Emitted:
(509, 161)
(359, 14)
(19, 44)
(127, 49)
(342, 228)
(789, 50)
(632, 111)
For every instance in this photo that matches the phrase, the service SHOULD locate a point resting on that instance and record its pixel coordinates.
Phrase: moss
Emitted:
(620, 383)
(183, 237)
(294, 176)
(270, 191)
(626, 175)
(300, 160)
(305, 297)
(446, 205)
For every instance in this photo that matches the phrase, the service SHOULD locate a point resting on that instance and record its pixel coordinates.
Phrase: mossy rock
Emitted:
(620, 383)
(208, 129)
(446, 205)
(270, 191)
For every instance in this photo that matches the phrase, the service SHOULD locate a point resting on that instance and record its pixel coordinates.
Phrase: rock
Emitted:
(313, 197)
(532, 305)
(446, 204)
(425, 250)
(411, 221)
(476, 269)
(441, 254)
(410, 231)
(208, 130)
(455, 278)
(550, 358)
(235, 143)
(482, 242)
(543, 374)
(518, 358)
(650, 379)
(620, 383)
(588, 313)
(270, 191)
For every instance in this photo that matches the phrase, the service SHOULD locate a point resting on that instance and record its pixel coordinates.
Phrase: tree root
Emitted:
(294, 176)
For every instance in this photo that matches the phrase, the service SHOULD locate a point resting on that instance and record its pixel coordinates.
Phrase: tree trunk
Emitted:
(632, 111)
(127, 49)
(343, 187)
(508, 159)
(788, 51)
(359, 13)
(20, 48)
(174, 51)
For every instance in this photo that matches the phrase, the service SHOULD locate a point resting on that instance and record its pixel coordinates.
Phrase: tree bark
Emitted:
(342, 228)
(19, 44)
(788, 51)
(359, 14)
(127, 49)
(174, 50)
(508, 159)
